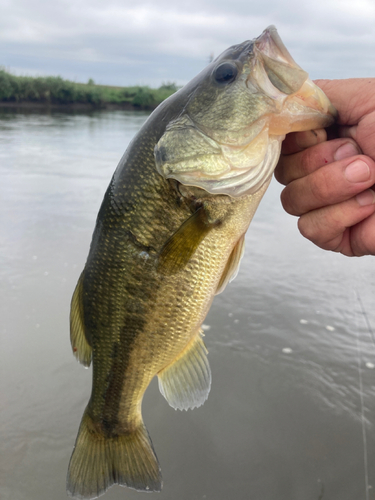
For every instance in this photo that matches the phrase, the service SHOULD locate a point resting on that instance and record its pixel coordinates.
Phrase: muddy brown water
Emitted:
(291, 414)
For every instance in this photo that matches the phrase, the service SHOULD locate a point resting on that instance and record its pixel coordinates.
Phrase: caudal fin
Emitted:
(99, 462)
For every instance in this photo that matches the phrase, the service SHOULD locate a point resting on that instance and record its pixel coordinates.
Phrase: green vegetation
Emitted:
(56, 90)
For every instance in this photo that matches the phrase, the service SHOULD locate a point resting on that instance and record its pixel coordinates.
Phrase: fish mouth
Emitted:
(301, 104)
(261, 95)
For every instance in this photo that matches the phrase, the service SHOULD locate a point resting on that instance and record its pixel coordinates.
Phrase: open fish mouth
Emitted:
(259, 83)
(302, 104)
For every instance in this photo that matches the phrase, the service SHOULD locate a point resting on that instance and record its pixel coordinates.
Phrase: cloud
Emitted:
(123, 42)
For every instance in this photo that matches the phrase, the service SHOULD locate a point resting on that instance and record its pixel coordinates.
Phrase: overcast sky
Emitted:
(123, 42)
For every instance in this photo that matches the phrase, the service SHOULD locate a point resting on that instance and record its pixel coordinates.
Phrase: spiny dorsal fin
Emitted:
(233, 265)
(186, 382)
(180, 247)
(81, 348)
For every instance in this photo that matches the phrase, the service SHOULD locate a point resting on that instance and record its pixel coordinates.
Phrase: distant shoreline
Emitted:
(74, 106)
(53, 92)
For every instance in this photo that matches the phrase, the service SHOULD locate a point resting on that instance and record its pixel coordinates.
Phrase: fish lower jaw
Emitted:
(307, 109)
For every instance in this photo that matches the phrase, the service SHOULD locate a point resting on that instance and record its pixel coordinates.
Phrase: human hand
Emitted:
(330, 183)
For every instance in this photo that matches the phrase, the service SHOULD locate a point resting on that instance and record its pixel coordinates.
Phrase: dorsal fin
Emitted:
(186, 382)
(81, 348)
(233, 265)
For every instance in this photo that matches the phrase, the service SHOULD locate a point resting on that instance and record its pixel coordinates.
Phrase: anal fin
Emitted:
(232, 265)
(80, 346)
(186, 382)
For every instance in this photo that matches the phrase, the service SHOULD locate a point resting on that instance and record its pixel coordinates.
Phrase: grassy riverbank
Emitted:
(52, 90)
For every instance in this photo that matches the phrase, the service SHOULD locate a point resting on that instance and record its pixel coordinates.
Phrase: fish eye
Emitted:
(225, 73)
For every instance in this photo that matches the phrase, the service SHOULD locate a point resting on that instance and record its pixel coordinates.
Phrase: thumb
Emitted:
(363, 134)
(353, 98)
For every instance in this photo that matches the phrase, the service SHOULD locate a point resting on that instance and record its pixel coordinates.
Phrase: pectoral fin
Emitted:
(180, 247)
(233, 265)
(186, 382)
(81, 348)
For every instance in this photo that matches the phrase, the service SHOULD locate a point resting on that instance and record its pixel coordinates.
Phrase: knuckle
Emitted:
(287, 202)
(323, 228)
(305, 228)
(280, 172)
(310, 160)
(309, 229)
(320, 187)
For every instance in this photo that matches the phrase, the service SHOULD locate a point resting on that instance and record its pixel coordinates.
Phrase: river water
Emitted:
(291, 414)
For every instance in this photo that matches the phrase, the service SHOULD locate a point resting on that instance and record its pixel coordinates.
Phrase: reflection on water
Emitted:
(291, 340)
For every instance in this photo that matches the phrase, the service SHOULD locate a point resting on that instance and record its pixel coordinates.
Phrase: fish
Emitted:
(169, 236)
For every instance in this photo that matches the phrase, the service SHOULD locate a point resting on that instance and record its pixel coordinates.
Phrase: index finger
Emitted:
(298, 141)
(295, 166)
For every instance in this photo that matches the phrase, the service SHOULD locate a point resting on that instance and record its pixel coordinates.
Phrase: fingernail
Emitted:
(366, 198)
(345, 151)
(357, 171)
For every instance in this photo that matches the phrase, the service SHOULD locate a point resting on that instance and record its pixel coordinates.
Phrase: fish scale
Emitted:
(169, 236)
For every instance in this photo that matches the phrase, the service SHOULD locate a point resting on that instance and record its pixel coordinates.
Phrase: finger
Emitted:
(297, 141)
(305, 162)
(353, 98)
(363, 133)
(330, 227)
(329, 185)
(362, 237)
(348, 132)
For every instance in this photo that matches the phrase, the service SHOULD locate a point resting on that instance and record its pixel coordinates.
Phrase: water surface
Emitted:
(291, 341)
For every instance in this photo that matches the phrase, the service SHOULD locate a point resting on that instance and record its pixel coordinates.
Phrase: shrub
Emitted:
(56, 90)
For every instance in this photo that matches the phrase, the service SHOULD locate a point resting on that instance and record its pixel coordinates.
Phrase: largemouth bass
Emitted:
(169, 236)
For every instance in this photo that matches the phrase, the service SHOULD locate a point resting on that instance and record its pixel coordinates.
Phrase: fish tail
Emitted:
(98, 462)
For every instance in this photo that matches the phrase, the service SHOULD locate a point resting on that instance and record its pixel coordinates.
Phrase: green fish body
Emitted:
(169, 236)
